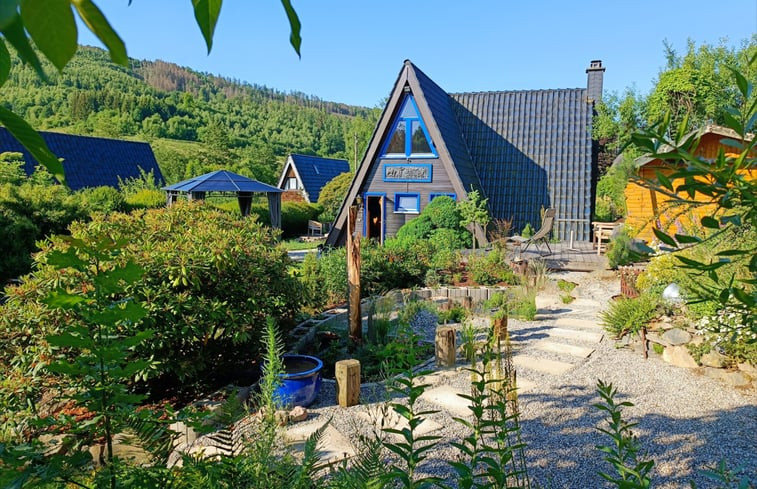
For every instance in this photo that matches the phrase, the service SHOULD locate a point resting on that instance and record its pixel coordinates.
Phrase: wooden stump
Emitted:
(445, 346)
(468, 303)
(500, 328)
(347, 373)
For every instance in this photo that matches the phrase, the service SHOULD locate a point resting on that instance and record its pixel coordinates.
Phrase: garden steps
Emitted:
(563, 348)
(569, 322)
(543, 365)
(332, 447)
(575, 334)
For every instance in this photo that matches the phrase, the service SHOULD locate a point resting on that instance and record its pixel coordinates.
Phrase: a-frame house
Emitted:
(306, 175)
(524, 150)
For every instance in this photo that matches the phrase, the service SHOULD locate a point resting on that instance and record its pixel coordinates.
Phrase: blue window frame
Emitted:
(432, 196)
(407, 203)
(409, 136)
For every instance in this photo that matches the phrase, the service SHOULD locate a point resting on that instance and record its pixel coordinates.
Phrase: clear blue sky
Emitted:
(352, 50)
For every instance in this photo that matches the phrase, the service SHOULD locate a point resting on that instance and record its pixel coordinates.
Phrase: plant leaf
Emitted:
(295, 26)
(710, 222)
(206, 15)
(52, 25)
(57, 299)
(33, 142)
(99, 25)
(5, 63)
(16, 35)
(8, 11)
(664, 238)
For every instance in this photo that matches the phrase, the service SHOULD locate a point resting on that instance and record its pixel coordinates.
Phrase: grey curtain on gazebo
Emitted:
(274, 206)
(245, 202)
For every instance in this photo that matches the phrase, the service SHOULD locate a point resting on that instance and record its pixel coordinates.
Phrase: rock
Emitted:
(679, 356)
(55, 444)
(655, 338)
(748, 369)
(186, 434)
(676, 336)
(735, 378)
(697, 339)
(714, 359)
(298, 414)
(282, 418)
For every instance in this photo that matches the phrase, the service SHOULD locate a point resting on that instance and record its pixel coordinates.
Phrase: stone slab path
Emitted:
(559, 358)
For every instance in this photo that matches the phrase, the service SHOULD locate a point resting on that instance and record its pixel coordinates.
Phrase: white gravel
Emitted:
(686, 421)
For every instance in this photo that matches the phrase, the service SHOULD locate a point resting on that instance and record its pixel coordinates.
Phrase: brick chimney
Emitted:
(595, 73)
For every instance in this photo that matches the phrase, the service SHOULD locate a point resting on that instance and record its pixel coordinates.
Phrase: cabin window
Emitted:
(291, 183)
(409, 136)
(407, 203)
(435, 195)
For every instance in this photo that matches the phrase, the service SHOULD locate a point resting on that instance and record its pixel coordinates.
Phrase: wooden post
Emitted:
(468, 303)
(353, 277)
(446, 352)
(500, 328)
(347, 373)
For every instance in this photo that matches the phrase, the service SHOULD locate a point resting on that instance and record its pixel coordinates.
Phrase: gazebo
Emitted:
(230, 184)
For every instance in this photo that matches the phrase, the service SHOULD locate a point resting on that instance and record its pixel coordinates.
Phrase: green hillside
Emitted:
(196, 122)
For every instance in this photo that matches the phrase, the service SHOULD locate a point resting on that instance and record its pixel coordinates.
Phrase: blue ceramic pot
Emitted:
(301, 380)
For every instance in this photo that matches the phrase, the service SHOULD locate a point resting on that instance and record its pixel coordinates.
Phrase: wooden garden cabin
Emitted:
(523, 150)
(647, 208)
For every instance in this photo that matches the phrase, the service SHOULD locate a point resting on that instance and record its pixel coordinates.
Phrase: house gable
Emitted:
(397, 177)
(312, 173)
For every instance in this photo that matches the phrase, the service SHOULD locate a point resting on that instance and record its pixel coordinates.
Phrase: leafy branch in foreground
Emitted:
(726, 189)
(51, 25)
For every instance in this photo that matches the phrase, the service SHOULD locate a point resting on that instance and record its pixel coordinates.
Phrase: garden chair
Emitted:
(540, 236)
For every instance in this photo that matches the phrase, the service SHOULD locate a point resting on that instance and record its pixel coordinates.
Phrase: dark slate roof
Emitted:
(441, 106)
(315, 172)
(90, 161)
(221, 181)
(532, 149)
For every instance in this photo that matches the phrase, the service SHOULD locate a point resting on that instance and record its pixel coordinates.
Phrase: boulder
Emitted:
(679, 356)
(735, 378)
(748, 369)
(714, 359)
(656, 338)
(297, 414)
(676, 336)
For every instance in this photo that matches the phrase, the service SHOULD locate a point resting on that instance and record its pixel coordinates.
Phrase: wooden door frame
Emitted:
(382, 196)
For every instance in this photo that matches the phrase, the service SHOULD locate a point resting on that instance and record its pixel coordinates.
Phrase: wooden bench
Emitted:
(315, 228)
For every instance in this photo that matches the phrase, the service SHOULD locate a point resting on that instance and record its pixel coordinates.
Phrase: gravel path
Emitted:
(685, 421)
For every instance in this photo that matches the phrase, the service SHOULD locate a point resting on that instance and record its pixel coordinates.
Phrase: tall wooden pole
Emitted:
(353, 277)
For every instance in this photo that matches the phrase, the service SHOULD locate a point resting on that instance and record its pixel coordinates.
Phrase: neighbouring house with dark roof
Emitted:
(90, 161)
(304, 176)
(524, 150)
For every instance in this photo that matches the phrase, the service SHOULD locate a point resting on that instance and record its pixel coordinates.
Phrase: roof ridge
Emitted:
(535, 90)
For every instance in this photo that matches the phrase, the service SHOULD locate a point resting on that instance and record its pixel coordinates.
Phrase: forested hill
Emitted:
(196, 122)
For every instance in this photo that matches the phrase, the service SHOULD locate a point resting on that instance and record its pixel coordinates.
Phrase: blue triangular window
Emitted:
(409, 136)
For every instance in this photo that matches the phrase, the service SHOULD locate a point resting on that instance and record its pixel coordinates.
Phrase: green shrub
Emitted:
(491, 269)
(628, 315)
(332, 276)
(523, 304)
(331, 196)
(295, 217)
(449, 239)
(103, 199)
(418, 228)
(620, 250)
(565, 286)
(146, 199)
(443, 213)
(210, 281)
(528, 231)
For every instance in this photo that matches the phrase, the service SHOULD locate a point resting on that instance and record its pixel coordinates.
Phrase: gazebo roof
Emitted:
(222, 181)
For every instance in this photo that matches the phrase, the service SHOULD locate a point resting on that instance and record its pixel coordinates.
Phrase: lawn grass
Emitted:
(296, 244)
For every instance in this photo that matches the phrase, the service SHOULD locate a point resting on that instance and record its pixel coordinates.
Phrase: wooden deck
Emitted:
(581, 258)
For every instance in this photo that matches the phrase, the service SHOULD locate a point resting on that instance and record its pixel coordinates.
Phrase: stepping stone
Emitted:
(448, 400)
(542, 364)
(587, 303)
(524, 385)
(562, 348)
(587, 336)
(577, 323)
(332, 447)
(394, 421)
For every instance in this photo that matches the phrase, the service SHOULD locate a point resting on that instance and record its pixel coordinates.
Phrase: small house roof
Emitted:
(222, 181)
(314, 172)
(725, 132)
(90, 161)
